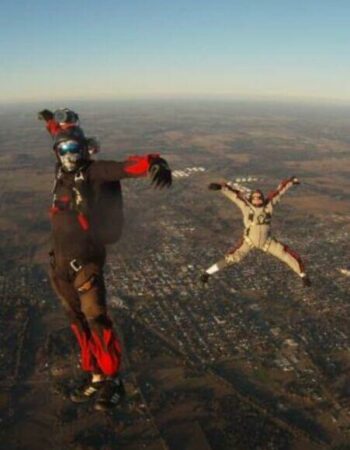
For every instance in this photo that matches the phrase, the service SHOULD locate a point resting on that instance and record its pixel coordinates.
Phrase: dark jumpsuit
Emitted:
(77, 264)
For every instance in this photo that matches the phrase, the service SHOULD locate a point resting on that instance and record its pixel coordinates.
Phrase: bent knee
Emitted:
(232, 258)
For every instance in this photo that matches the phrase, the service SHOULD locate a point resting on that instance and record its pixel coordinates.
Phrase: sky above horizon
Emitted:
(117, 49)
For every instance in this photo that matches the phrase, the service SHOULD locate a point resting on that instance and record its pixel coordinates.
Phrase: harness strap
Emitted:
(76, 265)
(267, 244)
(248, 241)
(63, 203)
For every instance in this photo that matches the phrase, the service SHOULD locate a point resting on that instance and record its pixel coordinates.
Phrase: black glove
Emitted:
(45, 114)
(159, 172)
(295, 180)
(215, 186)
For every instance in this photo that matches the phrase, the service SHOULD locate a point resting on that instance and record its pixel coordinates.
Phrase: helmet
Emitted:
(254, 193)
(70, 148)
(70, 154)
(74, 133)
(65, 115)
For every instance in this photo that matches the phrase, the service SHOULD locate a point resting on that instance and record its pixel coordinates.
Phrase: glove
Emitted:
(160, 172)
(295, 180)
(215, 186)
(45, 114)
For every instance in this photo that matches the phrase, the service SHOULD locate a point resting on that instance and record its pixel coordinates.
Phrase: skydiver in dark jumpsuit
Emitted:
(78, 256)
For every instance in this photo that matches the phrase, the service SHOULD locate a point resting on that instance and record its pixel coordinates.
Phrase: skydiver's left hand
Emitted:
(295, 180)
(215, 186)
(160, 172)
(45, 114)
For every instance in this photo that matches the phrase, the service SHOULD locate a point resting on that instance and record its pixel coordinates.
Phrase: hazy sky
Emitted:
(142, 48)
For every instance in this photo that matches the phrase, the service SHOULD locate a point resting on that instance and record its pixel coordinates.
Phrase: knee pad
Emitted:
(230, 258)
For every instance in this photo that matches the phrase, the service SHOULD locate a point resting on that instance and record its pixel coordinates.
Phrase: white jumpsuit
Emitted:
(257, 225)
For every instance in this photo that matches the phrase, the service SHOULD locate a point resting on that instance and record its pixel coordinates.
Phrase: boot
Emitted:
(306, 281)
(110, 395)
(204, 278)
(86, 390)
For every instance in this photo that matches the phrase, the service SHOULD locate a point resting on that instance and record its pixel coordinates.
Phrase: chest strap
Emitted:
(77, 203)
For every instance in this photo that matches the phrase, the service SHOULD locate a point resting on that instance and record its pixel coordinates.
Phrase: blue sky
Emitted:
(153, 48)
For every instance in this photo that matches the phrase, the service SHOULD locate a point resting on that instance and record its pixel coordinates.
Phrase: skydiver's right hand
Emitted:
(45, 114)
(215, 186)
(295, 180)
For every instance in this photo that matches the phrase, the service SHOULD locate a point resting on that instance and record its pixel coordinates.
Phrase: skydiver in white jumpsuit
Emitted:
(257, 213)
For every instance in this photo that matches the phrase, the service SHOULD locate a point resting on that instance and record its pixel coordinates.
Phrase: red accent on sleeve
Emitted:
(239, 194)
(83, 221)
(53, 210)
(282, 185)
(53, 127)
(235, 191)
(138, 165)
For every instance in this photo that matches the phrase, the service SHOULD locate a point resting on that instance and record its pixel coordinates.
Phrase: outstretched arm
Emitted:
(52, 126)
(232, 194)
(133, 167)
(275, 196)
(55, 120)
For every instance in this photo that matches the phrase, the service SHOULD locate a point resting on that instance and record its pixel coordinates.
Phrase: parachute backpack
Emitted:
(104, 207)
(106, 211)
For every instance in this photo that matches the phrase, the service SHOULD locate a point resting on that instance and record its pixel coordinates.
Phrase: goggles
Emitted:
(69, 147)
(65, 116)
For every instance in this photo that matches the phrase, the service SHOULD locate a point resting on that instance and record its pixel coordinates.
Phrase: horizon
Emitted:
(271, 100)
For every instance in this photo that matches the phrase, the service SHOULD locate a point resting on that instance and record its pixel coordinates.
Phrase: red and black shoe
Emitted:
(110, 395)
(86, 391)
